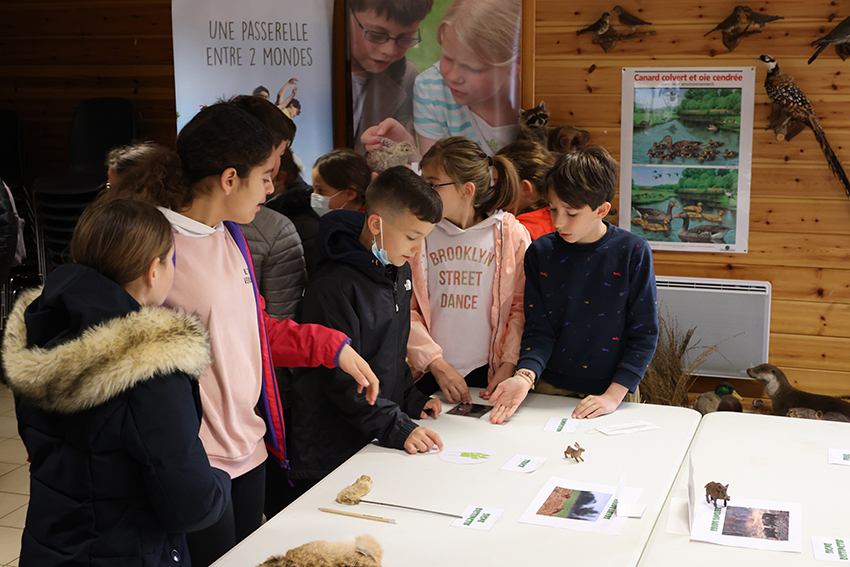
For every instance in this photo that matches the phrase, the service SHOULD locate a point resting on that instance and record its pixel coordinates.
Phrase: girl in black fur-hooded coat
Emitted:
(106, 397)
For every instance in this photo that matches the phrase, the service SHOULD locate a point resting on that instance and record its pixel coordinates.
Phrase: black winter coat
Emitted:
(294, 204)
(353, 293)
(107, 404)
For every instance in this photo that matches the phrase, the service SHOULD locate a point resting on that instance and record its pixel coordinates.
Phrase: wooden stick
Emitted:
(412, 508)
(356, 515)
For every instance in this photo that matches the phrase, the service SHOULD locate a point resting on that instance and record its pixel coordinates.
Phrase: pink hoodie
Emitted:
(507, 316)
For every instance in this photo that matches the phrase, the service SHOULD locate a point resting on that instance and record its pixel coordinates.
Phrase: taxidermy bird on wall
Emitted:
(757, 19)
(783, 90)
(599, 27)
(629, 20)
(390, 154)
(839, 37)
(730, 24)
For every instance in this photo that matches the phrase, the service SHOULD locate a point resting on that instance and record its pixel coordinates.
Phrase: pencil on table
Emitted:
(356, 515)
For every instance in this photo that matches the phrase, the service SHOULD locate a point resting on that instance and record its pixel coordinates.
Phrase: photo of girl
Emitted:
(472, 91)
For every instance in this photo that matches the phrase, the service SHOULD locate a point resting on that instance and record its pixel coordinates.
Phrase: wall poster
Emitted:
(686, 155)
(427, 69)
(275, 48)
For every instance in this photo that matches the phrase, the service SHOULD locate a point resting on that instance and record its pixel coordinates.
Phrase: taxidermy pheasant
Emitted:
(783, 90)
(390, 154)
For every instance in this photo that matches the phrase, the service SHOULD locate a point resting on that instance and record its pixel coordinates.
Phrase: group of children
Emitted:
(156, 434)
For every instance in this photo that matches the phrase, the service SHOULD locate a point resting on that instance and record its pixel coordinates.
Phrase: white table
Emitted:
(761, 457)
(650, 458)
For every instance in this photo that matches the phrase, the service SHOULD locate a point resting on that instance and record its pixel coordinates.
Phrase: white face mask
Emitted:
(321, 204)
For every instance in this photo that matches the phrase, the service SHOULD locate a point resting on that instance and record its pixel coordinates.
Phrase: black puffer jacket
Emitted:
(353, 293)
(107, 406)
(294, 204)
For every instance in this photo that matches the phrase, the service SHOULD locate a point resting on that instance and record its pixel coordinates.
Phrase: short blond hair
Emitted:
(490, 28)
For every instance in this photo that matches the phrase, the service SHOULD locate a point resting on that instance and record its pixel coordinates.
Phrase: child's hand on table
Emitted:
(353, 363)
(505, 371)
(450, 381)
(434, 406)
(508, 396)
(421, 440)
(595, 406)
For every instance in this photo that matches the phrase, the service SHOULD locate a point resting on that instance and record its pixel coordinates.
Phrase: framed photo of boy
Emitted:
(421, 70)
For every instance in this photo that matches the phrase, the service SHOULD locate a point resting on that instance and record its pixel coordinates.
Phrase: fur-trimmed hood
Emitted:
(104, 360)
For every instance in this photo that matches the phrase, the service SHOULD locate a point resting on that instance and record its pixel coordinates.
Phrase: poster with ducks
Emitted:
(685, 157)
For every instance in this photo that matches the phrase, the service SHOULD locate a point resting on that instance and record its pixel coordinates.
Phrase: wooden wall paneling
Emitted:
(57, 54)
(799, 229)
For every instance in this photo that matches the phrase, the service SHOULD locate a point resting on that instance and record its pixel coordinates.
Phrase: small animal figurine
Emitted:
(715, 491)
(390, 154)
(533, 124)
(599, 27)
(785, 397)
(362, 551)
(574, 453)
(629, 20)
(839, 37)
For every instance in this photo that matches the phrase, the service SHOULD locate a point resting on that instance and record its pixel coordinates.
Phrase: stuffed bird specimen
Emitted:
(629, 20)
(390, 154)
(731, 22)
(599, 27)
(783, 90)
(758, 20)
(839, 37)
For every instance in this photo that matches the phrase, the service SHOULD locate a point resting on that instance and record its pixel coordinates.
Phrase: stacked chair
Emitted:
(16, 173)
(99, 125)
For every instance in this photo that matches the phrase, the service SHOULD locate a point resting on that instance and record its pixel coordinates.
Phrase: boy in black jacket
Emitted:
(363, 288)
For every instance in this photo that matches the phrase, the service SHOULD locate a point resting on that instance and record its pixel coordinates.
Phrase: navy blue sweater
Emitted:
(590, 311)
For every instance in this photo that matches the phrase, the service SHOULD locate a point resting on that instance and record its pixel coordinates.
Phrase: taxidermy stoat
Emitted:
(362, 551)
(784, 396)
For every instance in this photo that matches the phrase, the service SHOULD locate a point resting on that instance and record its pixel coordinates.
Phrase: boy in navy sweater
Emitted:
(591, 322)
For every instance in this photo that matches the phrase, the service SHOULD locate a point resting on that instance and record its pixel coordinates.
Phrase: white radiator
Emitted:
(735, 313)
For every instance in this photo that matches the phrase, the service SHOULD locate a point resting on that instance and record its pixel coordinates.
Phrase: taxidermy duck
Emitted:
(656, 216)
(702, 233)
(727, 389)
(707, 403)
(714, 218)
(693, 208)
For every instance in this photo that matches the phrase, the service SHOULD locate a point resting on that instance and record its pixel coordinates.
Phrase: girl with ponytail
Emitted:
(468, 281)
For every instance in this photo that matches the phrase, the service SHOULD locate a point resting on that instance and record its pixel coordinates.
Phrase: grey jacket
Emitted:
(278, 261)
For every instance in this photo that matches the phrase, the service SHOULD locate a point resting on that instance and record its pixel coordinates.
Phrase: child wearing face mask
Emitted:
(467, 312)
(363, 289)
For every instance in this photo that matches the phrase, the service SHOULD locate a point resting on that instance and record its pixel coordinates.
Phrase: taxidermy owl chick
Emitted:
(390, 154)
(362, 551)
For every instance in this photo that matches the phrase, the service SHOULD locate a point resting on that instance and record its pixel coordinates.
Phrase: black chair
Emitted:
(99, 125)
(16, 172)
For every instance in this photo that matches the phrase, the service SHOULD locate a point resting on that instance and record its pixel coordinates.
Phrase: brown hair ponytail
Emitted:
(465, 162)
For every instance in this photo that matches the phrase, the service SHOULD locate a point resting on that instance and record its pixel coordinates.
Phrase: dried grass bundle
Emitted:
(673, 369)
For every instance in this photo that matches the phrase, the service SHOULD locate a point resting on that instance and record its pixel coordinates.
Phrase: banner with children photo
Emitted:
(277, 49)
(422, 70)
(686, 155)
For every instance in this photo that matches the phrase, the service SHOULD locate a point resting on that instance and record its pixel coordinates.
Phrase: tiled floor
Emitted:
(14, 482)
